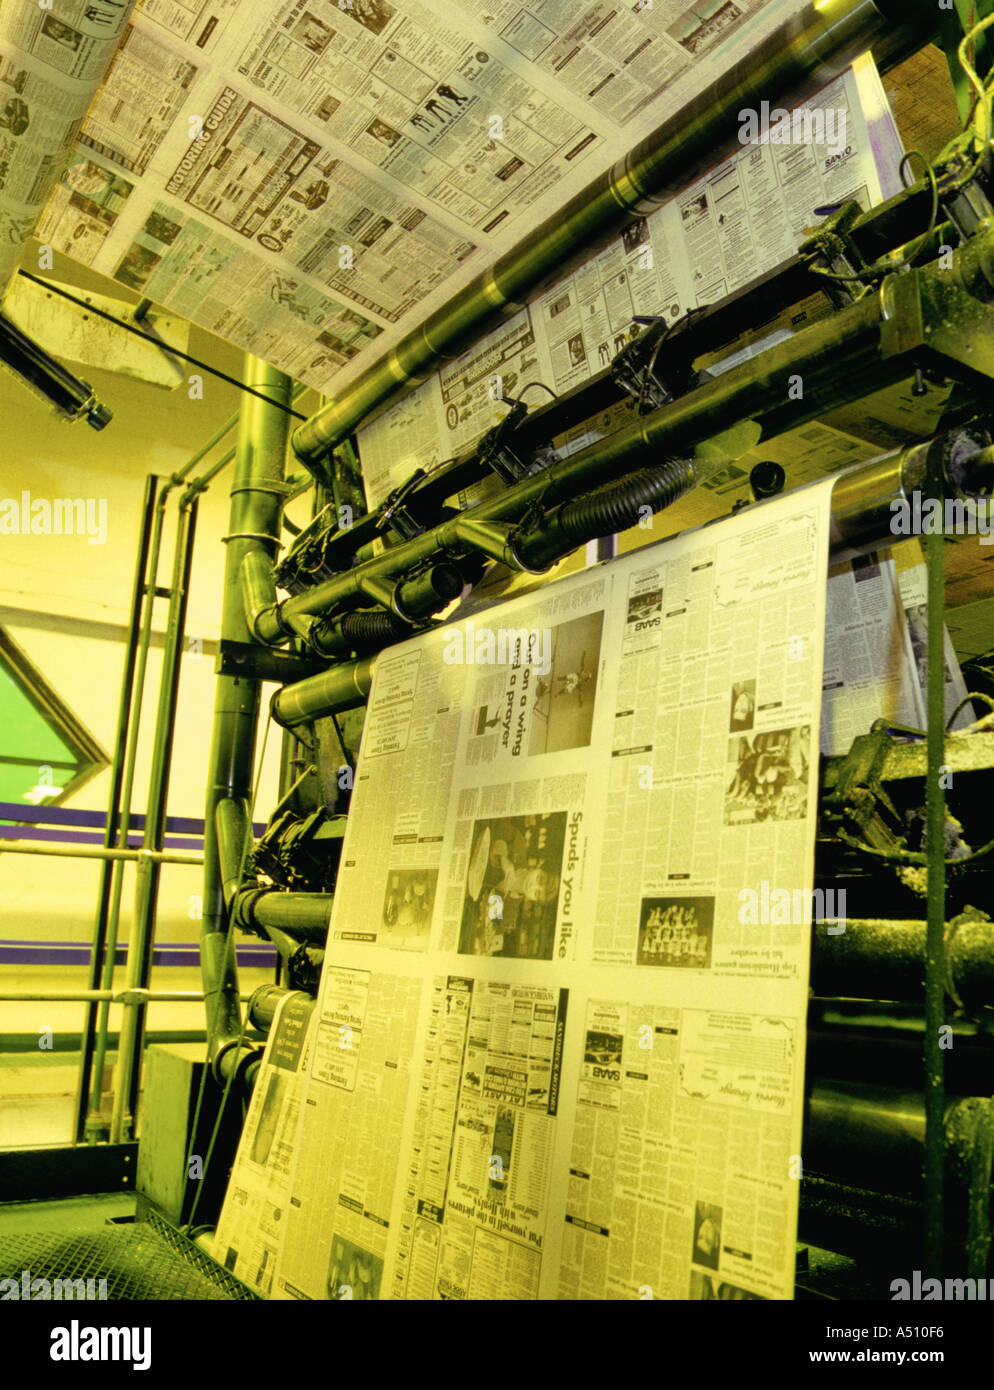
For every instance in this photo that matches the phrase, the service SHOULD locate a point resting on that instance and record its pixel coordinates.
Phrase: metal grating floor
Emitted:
(150, 1260)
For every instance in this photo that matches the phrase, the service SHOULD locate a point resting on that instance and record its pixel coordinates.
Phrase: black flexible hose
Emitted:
(610, 509)
(374, 626)
(618, 506)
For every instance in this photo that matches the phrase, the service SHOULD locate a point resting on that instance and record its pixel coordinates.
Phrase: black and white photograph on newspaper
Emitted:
(564, 697)
(512, 886)
(768, 776)
(676, 932)
(405, 922)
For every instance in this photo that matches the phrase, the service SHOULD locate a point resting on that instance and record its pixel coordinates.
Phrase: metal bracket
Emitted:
(858, 794)
(495, 450)
(831, 247)
(394, 515)
(263, 663)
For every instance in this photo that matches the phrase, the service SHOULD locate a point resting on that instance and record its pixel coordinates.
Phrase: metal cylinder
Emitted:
(874, 1141)
(339, 688)
(302, 916)
(263, 1005)
(866, 1135)
(881, 959)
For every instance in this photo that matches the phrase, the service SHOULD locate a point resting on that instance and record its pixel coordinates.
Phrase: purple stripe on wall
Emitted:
(78, 953)
(63, 815)
(86, 837)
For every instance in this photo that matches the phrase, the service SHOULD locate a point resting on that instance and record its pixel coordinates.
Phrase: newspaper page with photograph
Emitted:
(255, 1204)
(870, 668)
(310, 179)
(560, 1028)
(52, 60)
(738, 221)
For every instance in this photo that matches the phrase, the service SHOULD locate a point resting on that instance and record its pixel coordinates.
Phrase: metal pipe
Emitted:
(339, 688)
(126, 710)
(148, 871)
(741, 393)
(90, 1121)
(303, 916)
(255, 578)
(94, 1120)
(808, 50)
(256, 507)
(885, 959)
(231, 824)
(93, 852)
(935, 851)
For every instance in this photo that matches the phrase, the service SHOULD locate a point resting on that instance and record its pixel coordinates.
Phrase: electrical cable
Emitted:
(158, 342)
(982, 89)
(968, 699)
(542, 384)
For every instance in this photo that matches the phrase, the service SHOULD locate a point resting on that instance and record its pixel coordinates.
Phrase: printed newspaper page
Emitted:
(52, 59)
(913, 582)
(870, 669)
(741, 219)
(310, 179)
(561, 1025)
(255, 1205)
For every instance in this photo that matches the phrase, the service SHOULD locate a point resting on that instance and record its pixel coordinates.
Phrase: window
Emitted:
(45, 752)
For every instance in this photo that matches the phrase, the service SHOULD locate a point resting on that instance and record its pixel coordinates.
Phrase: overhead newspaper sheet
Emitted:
(309, 179)
(559, 1040)
(741, 219)
(53, 57)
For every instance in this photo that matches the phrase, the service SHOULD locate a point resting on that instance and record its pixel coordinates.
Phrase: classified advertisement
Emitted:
(255, 1205)
(475, 1210)
(559, 1037)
